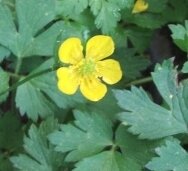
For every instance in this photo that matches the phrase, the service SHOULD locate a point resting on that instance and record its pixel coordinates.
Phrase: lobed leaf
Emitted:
(171, 156)
(148, 119)
(105, 161)
(41, 97)
(32, 102)
(80, 139)
(40, 154)
(136, 152)
(4, 52)
(107, 17)
(180, 35)
(31, 38)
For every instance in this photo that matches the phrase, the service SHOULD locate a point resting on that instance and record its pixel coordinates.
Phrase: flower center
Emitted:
(87, 67)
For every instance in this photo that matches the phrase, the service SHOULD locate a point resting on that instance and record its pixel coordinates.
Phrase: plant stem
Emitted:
(140, 81)
(29, 77)
(18, 65)
(11, 74)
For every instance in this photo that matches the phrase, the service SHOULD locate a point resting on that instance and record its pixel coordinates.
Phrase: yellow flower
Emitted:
(90, 71)
(140, 6)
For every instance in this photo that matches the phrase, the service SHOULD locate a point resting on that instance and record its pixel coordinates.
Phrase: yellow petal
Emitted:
(140, 6)
(70, 51)
(99, 47)
(109, 70)
(93, 89)
(68, 81)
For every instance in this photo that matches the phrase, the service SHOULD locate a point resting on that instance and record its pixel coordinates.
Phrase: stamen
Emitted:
(87, 67)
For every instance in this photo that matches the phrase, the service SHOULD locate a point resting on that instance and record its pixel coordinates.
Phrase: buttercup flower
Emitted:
(88, 72)
(140, 6)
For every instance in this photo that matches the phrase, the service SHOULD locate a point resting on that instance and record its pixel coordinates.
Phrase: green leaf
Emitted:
(131, 63)
(73, 29)
(10, 3)
(175, 12)
(4, 84)
(183, 99)
(156, 7)
(107, 14)
(148, 20)
(5, 164)
(173, 92)
(105, 161)
(7, 27)
(135, 159)
(185, 67)
(139, 37)
(128, 159)
(148, 119)
(108, 17)
(11, 132)
(165, 79)
(144, 20)
(31, 37)
(48, 85)
(4, 52)
(40, 96)
(86, 19)
(180, 35)
(44, 43)
(32, 102)
(171, 157)
(119, 36)
(124, 3)
(80, 139)
(40, 154)
(72, 7)
(102, 107)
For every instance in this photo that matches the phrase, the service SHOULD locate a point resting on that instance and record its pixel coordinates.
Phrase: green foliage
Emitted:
(4, 84)
(4, 52)
(167, 161)
(130, 67)
(148, 119)
(107, 16)
(87, 129)
(11, 132)
(40, 96)
(180, 35)
(40, 154)
(5, 163)
(102, 107)
(132, 128)
(72, 7)
(107, 13)
(140, 38)
(107, 161)
(185, 68)
(176, 11)
(82, 146)
(37, 103)
(156, 7)
(135, 159)
(28, 40)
